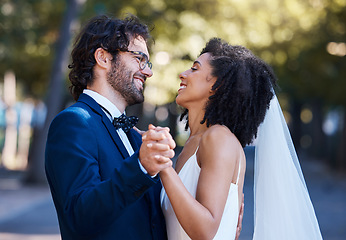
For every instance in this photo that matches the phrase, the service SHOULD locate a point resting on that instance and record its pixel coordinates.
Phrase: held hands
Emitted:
(157, 149)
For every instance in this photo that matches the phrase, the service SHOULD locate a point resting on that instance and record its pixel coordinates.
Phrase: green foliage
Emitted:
(304, 41)
(291, 35)
(28, 31)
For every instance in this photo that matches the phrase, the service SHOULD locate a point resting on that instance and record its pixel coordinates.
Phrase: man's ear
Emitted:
(103, 58)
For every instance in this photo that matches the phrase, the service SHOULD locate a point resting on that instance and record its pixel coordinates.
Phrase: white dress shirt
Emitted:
(114, 111)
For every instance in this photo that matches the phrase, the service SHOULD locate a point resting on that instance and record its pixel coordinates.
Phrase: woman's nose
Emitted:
(182, 75)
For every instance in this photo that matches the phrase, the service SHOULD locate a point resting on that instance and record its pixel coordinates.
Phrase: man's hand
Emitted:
(168, 137)
(240, 219)
(157, 149)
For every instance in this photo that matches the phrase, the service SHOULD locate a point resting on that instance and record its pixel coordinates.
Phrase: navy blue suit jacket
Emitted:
(99, 191)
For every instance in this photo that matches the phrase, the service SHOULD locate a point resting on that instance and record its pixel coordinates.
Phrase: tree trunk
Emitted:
(35, 172)
(341, 161)
(319, 145)
(296, 124)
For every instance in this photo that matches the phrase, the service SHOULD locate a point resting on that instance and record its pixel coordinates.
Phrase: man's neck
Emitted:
(113, 96)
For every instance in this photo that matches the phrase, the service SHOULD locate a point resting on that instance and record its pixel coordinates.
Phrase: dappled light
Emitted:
(337, 49)
(302, 40)
(162, 58)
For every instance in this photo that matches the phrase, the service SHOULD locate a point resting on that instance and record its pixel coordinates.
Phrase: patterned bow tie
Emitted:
(124, 122)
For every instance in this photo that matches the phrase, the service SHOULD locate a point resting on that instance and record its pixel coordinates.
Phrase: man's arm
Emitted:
(87, 201)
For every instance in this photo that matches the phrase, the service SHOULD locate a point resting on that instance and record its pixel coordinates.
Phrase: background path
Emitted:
(27, 212)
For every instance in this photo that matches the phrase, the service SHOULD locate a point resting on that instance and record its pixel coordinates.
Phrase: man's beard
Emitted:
(121, 79)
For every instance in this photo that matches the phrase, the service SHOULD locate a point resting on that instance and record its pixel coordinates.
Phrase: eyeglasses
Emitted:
(143, 59)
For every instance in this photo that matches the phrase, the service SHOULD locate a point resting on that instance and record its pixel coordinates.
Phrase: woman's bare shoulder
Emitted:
(219, 135)
(218, 142)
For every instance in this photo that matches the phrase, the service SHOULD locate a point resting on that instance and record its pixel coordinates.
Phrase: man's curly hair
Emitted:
(111, 34)
(242, 91)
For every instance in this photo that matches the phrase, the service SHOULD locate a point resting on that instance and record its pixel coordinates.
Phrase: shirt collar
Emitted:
(104, 102)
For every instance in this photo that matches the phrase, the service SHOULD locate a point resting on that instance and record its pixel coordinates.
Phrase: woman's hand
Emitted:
(240, 220)
(156, 150)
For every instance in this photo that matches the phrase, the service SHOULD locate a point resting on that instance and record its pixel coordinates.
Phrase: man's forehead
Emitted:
(138, 44)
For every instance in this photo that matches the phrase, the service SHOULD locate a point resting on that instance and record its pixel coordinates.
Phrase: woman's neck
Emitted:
(195, 117)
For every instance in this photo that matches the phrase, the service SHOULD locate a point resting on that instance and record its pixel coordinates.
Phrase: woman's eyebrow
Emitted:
(197, 62)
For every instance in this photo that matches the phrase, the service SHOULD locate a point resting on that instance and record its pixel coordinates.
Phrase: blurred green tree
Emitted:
(38, 22)
(55, 93)
(28, 32)
(304, 41)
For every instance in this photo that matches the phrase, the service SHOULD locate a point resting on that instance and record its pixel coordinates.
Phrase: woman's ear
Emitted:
(103, 58)
(212, 80)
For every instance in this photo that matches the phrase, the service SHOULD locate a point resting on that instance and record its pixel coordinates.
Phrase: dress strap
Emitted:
(238, 172)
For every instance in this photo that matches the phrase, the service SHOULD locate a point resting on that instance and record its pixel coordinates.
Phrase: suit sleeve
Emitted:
(72, 168)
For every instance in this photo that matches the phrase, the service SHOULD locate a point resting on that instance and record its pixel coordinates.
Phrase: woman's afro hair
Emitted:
(242, 91)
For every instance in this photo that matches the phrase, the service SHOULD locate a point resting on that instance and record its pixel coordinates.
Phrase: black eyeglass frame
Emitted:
(142, 63)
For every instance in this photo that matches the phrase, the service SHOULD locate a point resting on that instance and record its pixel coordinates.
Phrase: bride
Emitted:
(227, 94)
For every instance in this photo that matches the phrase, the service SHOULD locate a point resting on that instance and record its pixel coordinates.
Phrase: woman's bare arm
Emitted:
(217, 155)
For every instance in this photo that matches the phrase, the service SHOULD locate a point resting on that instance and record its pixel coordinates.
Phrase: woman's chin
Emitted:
(179, 101)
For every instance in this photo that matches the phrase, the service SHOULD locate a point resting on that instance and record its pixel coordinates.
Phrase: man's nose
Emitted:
(147, 71)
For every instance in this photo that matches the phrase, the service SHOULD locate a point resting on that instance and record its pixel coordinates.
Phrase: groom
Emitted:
(103, 180)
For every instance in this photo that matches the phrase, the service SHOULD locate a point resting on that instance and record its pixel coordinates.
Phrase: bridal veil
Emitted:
(283, 209)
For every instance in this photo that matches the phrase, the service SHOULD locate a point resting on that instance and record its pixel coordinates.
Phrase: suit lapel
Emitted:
(115, 136)
(134, 139)
(105, 120)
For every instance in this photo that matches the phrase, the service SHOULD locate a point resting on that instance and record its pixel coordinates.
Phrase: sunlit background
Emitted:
(303, 40)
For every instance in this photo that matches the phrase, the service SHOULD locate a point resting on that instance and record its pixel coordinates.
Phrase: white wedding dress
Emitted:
(189, 175)
(282, 205)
